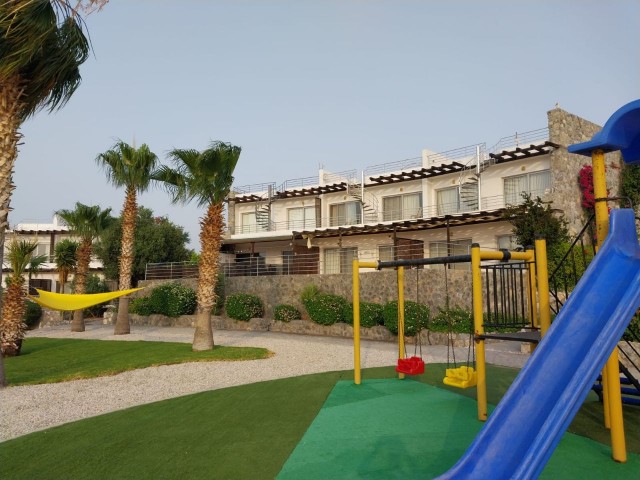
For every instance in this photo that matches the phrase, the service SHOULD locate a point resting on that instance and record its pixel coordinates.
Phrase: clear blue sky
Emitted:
(343, 83)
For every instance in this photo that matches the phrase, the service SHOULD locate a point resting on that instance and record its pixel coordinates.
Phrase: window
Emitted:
(339, 260)
(444, 249)
(508, 242)
(400, 207)
(301, 218)
(450, 201)
(249, 224)
(42, 249)
(348, 213)
(447, 200)
(535, 184)
(386, 253)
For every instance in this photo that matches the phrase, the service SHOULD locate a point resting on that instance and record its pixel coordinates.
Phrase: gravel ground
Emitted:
(31, 408)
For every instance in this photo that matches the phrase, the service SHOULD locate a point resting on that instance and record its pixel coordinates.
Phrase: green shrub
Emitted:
(286, 313)
(32, 314)
(308, 293)
(170, 299)
(632, 333)
(326, 309)
(141, 306)
(371, 314)
(243, 306)
(416, 317)
(455, 319)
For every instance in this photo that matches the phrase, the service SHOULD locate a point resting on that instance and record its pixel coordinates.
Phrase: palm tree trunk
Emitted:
(129, 214)
(210, 236)
(84, 257)
(10, 95)
(13, 327)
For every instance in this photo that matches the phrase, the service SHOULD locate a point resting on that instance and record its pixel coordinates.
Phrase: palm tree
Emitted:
(42, 45)
(19, 255)
(88, 223)
(130, 168)
(206, 177)
(65, 258)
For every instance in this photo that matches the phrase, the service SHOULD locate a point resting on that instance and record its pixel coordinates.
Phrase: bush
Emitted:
(286, 313)
(243, 306)
(32, 314)
(170, 299)
(455, 319)
(371, 314)
(416, 317)
(141, 306)
(326, 309)
(308, 293)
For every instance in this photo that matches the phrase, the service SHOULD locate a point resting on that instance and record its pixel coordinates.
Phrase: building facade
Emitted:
(435, 205)
(47, 236)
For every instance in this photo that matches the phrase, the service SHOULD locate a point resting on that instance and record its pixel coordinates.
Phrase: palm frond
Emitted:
(126, 166)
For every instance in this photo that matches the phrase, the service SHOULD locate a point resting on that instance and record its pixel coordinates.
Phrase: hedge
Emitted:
(416, 317)
(244, 306)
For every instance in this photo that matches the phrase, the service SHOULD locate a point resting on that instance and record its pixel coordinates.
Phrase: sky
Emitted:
(300, 84)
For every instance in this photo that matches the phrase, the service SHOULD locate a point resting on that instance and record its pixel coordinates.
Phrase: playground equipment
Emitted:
(475, 258)
(582, 339)
(75, 301)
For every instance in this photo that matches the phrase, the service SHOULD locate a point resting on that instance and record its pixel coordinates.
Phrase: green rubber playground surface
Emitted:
(389, 428)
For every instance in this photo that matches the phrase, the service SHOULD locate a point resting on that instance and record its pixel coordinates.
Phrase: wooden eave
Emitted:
(520, 153)
(419, 174)
(408, 225)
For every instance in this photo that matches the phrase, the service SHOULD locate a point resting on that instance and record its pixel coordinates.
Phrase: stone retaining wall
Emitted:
(379, 287)
(301, 327)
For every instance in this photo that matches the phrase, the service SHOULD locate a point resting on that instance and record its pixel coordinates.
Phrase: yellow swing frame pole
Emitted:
(611, 373)
(478, 328)
(400, 315)
(357, 379)
(356, 264)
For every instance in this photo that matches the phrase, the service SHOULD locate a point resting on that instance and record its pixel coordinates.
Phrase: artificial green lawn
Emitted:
(240, 432)
(49, 360)
(234, 433)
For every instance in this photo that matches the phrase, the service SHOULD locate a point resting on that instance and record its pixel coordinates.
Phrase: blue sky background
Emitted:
(297, 84)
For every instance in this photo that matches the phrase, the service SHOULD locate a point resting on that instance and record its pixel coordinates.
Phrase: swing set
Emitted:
(464, 376)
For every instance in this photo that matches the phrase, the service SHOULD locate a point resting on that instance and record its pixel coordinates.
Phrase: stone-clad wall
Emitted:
(377, 287)
(566, 129)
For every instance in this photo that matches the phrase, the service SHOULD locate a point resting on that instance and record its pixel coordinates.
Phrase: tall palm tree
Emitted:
(12, 326)
(65, 258)
(130, 168)
(88, 223)
(205, 177)
(42, 45)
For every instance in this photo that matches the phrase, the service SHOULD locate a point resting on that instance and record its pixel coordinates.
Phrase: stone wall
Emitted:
(566, 129)
(379, 287)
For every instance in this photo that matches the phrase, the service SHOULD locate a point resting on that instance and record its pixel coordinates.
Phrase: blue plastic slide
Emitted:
(522, 432)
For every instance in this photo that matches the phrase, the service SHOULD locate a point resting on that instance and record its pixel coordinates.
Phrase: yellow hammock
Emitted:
(67, 301)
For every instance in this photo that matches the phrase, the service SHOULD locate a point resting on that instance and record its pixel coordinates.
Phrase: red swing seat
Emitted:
(410, 366)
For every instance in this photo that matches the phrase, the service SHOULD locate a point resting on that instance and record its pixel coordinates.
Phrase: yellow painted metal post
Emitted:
(356, 322)
(533, 304)
(612, 377)
(543, 285)
(481, 387)
(400, 315)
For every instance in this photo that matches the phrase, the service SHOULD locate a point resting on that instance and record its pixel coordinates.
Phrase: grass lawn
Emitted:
(50, 360)
(235, 433)
(240, 432)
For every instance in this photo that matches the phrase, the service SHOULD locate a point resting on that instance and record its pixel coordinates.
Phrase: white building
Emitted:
(433, 205)
(47, 236)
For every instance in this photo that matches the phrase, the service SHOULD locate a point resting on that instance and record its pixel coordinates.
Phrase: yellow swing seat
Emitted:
(461, 377)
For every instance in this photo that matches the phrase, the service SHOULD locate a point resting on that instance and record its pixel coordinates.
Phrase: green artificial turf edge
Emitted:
(240, 432)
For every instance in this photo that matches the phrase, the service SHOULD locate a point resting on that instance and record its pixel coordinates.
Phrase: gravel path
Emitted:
(30, 408)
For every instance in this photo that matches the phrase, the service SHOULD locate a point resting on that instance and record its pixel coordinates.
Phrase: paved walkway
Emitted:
(35, 407)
